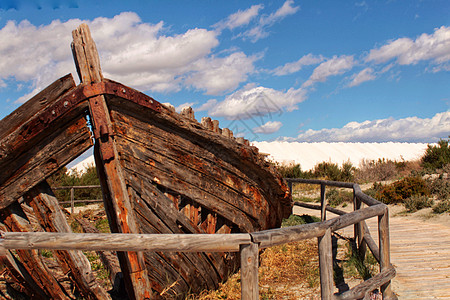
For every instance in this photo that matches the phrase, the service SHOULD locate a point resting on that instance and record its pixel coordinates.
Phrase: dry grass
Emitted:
(289, 271)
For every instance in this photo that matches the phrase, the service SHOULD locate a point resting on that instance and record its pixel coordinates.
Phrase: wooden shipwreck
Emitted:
(160, 172)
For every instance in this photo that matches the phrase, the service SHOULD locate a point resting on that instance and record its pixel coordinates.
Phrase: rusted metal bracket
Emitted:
(103, 131)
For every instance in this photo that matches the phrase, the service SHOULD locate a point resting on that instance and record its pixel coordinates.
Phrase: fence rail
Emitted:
(248, 244)
(72, 195)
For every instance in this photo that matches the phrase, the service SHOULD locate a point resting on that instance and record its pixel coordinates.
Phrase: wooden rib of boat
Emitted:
(160, 172)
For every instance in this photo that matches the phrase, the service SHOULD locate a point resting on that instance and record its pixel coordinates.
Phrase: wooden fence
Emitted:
(72, 195)
(248, 244)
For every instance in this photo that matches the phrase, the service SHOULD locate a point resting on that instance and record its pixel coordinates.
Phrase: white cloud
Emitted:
(239, 18)
(269, 127)
(365, 75)
(296, 66)
(257, 101)
(135, 53)
(208, 105)
(260, 30)
(331, 67)
(412, 129)
(434, 47)
(217, 75)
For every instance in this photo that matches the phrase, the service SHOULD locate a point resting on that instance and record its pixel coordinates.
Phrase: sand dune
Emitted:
(309, 154)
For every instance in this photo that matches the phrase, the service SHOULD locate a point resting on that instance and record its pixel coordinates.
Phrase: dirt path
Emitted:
(420, 252)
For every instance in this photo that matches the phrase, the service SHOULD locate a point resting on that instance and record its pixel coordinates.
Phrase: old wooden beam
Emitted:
(15, 220)
(326, 265)
(52, 219)
(124, 242)
(88, 67)
(249, 271)
(59, 147)
(362, 289)
(268, 238)
(43, 99)
(385, 254)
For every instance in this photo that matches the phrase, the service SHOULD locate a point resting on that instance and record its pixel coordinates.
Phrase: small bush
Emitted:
(437, 156)
(402, 189)
(376, 170)
(441, 188)
(416, 202)
(442, 207)
(336, 197)
(295, 220)
(331, 171)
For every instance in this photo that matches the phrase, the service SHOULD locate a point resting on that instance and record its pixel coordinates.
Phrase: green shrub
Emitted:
(292, 171)
(295, 220)
(417, 202)
(336, 197)
(401, 189)
(442, 207)
(437, 156)
(441, 188)
(331, 171)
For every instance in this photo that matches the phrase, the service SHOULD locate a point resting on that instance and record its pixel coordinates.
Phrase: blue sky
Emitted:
(307, 71)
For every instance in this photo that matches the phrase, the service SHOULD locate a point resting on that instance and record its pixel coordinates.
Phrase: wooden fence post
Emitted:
(385, 260)
(72, 200)
(323, 203)
(359, 229)
(326, 265)
(249, 271)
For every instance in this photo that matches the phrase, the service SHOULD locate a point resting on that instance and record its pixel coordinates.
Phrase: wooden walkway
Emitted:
(420, 252)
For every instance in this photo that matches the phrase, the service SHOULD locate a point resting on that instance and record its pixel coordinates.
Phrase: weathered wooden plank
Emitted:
(51, 153)
(88, 66)
(52, 219)
(241, 157)
(43, 99)
(326, 265)
(185, 263)
(108, 258)
(279, 236)
(249, 271)
(21, 276)
(15, 220)
(367, 286)
(124, 242)
(85, 55)
(192, 165)
(385, 259)
(323, 202)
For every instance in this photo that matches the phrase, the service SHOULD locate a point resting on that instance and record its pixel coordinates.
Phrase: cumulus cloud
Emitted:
(434, 47)
(239, 18)
(412, 129)
(217, 75)
(334, 66)
(269, 127)
(135, 53)
(260, 30)
(296, 66)
(257, 101)
(365, 75)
